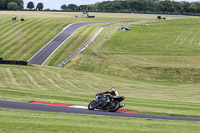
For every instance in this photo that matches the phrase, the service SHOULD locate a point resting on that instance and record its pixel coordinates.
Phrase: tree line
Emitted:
(18, 4)
(31, 6)
(11, 4)
(167, 6)
(163, 6)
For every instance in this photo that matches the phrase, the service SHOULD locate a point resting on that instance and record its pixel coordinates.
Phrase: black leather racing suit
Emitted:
(112, 94)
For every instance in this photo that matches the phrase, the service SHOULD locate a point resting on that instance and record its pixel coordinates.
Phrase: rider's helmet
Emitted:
(112, 89)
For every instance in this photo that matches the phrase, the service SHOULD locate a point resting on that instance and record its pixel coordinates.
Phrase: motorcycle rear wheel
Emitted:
(91, 105)
(117, 105)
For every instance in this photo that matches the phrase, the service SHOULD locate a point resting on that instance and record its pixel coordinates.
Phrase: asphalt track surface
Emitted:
(43, 54)
(49, 108)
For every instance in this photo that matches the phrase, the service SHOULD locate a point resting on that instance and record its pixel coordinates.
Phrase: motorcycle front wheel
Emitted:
(91, 105)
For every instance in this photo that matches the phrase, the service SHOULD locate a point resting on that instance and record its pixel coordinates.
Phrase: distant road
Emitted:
(49, 108)
(41, 56)
(94, 36)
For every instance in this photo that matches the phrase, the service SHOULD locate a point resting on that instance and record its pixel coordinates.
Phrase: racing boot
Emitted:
(122, 105)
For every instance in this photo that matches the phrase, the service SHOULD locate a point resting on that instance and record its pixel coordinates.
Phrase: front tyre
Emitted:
(91, 105)
(115, 107)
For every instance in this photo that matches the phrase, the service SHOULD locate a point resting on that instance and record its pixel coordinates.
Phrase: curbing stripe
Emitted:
(78, 107)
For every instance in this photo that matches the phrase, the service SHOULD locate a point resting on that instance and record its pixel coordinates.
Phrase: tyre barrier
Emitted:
(13, 62)
(91, 16)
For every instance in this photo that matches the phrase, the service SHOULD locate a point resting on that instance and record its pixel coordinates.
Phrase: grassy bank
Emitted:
(76, 41)
(21, 40)
(29, 122)
(163, 51)
(44, 84)
(155, 67)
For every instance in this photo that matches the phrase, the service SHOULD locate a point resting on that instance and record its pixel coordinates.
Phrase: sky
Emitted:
(56, 4)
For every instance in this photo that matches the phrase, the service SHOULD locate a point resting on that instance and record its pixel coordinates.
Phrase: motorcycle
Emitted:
(106, 102)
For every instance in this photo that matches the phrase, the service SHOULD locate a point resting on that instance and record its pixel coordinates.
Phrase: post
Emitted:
(18, 15)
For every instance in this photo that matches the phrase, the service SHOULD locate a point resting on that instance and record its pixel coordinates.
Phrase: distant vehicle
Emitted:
(160, 17)
(101, 103)
(125, 28)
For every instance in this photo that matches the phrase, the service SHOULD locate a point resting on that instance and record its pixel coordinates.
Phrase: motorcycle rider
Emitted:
(113, 93)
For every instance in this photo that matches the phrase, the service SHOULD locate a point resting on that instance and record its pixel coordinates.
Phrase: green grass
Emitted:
(29, 122)
(44, 84)
(76, 41)
(163, 51)
(148, 65)
(21, 40)
(174, 37)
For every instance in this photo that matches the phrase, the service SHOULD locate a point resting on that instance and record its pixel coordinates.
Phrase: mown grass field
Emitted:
(44, 84)
(163, 51)
(21, 40)
(76, 41)
(31, 122)
(148, 65)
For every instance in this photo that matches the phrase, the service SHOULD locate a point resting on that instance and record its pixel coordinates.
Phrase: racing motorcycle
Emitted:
(106, 102)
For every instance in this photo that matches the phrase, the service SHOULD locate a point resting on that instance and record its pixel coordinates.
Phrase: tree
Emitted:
(13, 6)
(30, 5)
(177, 6)
(20, 3)
(64, 7)
(195, 7)
(2, 4)
(72, 7)
(185, 6)
(167, 6)
(83, 7)
(40, 6)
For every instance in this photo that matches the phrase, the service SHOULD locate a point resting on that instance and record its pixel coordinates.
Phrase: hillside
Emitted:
(163, 51)
(34, 83)
(155, 67)
(21, 40)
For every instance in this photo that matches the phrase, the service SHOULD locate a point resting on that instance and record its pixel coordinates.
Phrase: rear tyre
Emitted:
(115, 108)
(91, 105)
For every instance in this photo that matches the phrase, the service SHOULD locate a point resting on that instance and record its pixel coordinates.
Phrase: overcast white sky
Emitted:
(56, 4)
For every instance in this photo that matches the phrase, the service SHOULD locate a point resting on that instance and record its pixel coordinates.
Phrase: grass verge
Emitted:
(43, 84)
(162, 51)
(30, 121)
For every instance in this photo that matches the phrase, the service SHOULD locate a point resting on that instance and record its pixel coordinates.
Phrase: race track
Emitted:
(49, 108)
(39, 59)
(41, 56)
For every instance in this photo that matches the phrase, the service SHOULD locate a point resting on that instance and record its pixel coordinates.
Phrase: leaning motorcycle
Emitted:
(102, 103)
